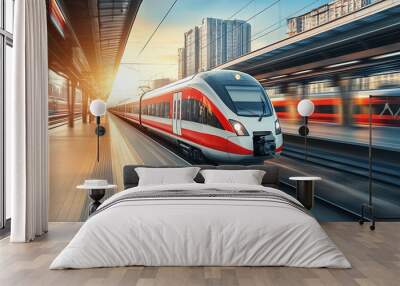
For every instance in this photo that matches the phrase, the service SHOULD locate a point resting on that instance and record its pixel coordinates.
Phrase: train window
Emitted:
(280, 108)
(158, 109)
(327, 109)
(377, 108)
(167, 109)
(195, 111)
(202, 115)
(249, 100)
(161, 109)
(185, 109)
(212, 120)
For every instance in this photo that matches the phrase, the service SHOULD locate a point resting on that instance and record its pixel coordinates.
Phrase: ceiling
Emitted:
(100, 30)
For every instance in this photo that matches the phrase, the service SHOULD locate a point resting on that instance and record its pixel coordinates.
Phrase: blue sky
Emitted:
(163, 49)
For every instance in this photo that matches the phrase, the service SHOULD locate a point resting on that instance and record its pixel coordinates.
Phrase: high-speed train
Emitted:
(224, 116)
(348, 107)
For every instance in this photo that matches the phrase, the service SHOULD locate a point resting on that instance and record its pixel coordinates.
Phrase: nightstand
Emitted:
(96, 192)
(305, 190)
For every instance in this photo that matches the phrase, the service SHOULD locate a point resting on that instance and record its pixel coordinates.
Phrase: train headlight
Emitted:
(278, 129)
(239, 128)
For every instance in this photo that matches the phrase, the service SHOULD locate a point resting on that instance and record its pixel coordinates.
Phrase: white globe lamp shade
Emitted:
(98, 107)
(305, 108)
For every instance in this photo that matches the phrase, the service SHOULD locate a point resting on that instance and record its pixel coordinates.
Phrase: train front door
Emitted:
(177, 113)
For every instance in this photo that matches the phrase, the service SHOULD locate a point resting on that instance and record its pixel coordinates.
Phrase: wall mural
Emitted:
(243, 112)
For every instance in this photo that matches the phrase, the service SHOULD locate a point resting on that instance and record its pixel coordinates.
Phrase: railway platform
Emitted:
(73, 159)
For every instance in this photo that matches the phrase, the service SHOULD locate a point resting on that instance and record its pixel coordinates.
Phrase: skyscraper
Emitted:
(181, 63)
(215, 42)
(238, 39)
(192, 50)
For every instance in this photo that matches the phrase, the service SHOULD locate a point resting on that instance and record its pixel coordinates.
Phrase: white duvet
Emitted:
(200, 231)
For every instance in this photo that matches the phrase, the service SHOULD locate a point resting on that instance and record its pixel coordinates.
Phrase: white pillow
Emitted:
(247, 177)
(166, 176)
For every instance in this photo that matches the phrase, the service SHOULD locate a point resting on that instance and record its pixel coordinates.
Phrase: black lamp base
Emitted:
(100, 130)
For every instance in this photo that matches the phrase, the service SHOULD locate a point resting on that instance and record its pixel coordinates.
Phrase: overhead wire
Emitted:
(156, 29)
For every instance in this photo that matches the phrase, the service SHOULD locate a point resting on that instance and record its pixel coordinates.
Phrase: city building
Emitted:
(324, 14)
(181, 63)
(222, 41)
(192, 51)
(213, 43)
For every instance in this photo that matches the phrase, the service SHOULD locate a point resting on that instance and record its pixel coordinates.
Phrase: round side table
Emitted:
(305, 190)
(96, 193)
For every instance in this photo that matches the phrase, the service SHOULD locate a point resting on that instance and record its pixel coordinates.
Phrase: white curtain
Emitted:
(26, 123)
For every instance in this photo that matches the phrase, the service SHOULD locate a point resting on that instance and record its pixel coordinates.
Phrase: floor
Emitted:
(375, 257)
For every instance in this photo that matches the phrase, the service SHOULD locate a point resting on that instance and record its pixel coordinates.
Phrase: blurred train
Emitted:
(344, 102)
(58, 103)
(224, 116)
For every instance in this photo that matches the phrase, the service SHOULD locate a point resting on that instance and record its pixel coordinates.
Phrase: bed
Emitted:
(198, 224)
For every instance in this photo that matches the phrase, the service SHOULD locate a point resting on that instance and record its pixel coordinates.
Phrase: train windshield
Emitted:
(249, 100)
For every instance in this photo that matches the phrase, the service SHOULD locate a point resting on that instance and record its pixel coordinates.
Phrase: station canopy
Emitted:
(102, 28)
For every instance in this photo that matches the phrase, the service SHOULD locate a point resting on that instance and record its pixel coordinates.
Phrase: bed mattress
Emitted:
(201, 225)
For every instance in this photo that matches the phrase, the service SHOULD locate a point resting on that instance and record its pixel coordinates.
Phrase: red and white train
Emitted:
(225, 116)
(347, 106)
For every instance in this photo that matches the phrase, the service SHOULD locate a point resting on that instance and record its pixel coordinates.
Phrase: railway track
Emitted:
(346, 158)
(60, 121)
